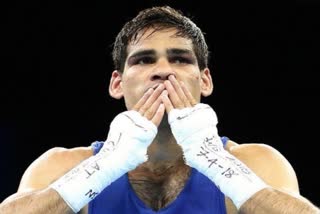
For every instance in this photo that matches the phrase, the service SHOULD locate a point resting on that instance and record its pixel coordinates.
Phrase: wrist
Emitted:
(125, 148)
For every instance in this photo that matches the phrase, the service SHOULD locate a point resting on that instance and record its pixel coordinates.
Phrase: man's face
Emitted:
(153, 58)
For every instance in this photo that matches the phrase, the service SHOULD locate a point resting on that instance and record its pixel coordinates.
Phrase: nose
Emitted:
(162, 70)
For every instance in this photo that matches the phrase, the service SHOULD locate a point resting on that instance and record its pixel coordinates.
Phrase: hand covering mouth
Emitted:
(154, 87)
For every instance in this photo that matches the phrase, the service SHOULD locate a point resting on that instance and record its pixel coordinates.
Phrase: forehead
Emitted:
(159, 41)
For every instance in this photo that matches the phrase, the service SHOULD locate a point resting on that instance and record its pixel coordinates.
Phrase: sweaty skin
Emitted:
(160, 73)
(153, 60)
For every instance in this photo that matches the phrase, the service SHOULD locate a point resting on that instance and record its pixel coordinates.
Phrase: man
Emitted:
(163, 154)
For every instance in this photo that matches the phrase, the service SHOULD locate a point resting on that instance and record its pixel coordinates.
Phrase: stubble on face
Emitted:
(136, 78)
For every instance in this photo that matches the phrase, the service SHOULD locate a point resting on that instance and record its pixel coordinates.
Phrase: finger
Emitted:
(157, 118)
(143, 99)
(153, 108)
(166, 101)
(153, 97)
(175, 99)
(189, 96)
(176, 85)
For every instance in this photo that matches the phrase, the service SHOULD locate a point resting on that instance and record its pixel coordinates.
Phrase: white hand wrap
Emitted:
(196, 132)
(126, 146)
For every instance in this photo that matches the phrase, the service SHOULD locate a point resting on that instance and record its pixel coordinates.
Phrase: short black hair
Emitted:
(158, 18)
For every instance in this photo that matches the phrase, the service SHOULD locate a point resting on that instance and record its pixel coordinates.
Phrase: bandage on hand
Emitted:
(195, 130)
(126, 146)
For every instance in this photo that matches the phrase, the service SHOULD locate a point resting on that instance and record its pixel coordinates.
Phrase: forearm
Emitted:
(45, 201)
(204, 151)
(270, 201)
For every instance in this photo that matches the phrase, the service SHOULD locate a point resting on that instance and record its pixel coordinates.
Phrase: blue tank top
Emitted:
(199, 195)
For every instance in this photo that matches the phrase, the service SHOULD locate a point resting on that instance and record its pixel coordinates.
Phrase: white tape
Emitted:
(125, 148)
(195, 131)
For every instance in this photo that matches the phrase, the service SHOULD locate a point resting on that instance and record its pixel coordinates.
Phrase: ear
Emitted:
(206, 83)
(115, 88)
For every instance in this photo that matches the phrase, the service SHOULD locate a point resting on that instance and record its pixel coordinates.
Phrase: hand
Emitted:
(138, 124)
(180, 103)
(130, 134)
(176, 95)
(195, 130)
(150, 105)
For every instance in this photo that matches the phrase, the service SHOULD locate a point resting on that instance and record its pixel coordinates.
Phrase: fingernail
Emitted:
(161, 86)
(171, 77)
(150, 90)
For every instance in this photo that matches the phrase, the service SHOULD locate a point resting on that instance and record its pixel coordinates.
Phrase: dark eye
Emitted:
(144, 60)
(181, 60)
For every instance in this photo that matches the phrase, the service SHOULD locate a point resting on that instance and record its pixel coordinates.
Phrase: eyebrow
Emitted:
(170, 52)
(178, 51)
(143, 53)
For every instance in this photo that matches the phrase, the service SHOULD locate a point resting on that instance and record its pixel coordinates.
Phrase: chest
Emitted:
(158, 189)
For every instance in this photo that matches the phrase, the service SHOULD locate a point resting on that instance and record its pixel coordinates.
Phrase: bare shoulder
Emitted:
(50, 166)
(268, 163)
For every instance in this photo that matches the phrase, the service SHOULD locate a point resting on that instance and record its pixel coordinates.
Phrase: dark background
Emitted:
(56, 64)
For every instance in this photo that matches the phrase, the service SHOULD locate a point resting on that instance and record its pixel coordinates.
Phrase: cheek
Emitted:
(193, 85)
(133, 91)
(196, 87)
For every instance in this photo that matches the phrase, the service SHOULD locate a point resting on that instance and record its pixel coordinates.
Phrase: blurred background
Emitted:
(56, 65)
